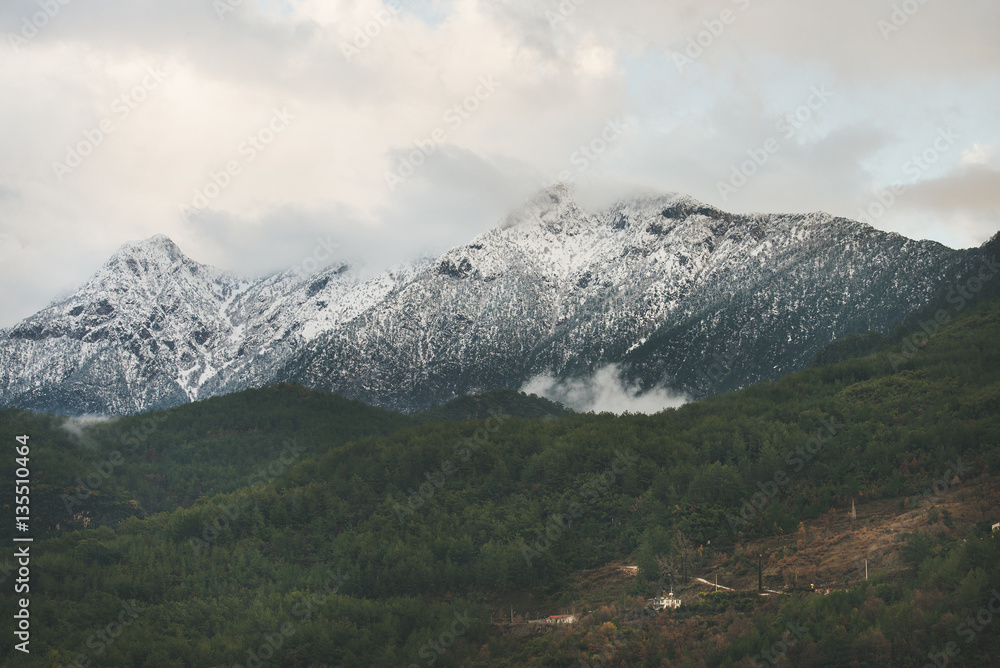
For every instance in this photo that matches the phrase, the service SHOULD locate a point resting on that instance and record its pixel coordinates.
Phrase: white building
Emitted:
(664, 602)
(560, 619)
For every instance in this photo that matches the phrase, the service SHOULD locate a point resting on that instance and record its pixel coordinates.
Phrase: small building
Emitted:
(560, 619)
(664, 602)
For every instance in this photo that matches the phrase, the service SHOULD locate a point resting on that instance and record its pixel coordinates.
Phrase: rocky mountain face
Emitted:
(153, 329)
(676, 292)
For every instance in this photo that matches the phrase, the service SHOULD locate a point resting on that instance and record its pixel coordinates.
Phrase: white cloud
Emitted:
(605, 391)
(77, 426)
(983, 156)
(559, 84)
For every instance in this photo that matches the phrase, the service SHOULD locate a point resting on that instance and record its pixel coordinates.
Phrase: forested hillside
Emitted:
(386, 541)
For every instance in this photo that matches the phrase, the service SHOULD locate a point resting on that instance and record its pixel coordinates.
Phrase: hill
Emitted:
(94, 472)
(500, 402)
(396, 547)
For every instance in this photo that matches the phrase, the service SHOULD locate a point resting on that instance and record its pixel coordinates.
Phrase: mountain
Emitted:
(677, 293)
(152, 329)
(400, 547)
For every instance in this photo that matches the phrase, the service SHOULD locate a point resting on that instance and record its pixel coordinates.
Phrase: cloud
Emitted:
(965, 199)
(560, 81)
(975, 188)
(605, 391)
(982, 155)
(77, 426)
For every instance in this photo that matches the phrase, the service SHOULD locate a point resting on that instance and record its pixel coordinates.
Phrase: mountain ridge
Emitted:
(661, 285)
(670, 234)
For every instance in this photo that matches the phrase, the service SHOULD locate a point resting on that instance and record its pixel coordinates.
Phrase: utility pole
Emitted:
(760, 573)
(866, 570)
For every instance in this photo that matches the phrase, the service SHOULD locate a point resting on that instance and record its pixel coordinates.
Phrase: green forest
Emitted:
(287, 527)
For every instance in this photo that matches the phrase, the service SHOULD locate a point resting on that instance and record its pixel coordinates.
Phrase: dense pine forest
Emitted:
(287, 527)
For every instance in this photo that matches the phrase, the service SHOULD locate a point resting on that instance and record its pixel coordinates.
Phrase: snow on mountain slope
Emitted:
(664, 286)
(153, 328)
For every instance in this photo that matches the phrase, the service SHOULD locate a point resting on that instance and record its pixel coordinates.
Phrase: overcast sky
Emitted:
(120, 119)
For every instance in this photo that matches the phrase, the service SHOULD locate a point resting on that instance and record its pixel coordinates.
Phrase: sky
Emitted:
(259, 133)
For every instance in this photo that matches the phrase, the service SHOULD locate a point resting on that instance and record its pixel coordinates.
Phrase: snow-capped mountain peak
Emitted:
(663, 286)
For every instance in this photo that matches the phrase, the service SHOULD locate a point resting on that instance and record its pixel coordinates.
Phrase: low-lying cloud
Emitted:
(605, 391)
(77, 426)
